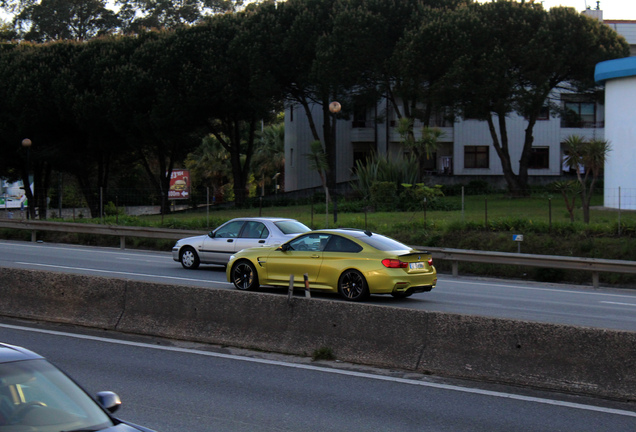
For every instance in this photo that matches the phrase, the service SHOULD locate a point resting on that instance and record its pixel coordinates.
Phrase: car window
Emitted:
(383, 243)
(341, 244)
(229, 230)
(291, 227)
(254, 229)
(35, 392)
(310, 242)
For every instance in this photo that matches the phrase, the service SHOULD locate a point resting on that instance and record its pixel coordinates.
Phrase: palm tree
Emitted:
(591, 155)
(269, 157)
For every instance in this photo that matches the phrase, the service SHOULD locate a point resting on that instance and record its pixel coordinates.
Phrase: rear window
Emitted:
(292, 227)
(383, 243)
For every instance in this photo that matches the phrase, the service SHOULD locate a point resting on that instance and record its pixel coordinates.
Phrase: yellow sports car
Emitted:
(353, 263)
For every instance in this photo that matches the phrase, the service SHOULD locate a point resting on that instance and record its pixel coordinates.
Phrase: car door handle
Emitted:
(261, 241)
(315, 256)
(230, 240)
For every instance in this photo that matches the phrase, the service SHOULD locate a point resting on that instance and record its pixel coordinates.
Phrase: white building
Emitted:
(465, 152)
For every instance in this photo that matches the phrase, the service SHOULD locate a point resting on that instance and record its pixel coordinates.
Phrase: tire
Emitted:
(189, 258)
(352, 286)
(244, 276)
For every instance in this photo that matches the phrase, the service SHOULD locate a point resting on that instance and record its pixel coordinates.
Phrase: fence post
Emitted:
(290, 292)
(486, 210)
(307, 293)
(619, 211)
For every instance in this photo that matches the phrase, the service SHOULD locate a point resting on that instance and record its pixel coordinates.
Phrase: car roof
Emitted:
(11, 353)
(272, 219)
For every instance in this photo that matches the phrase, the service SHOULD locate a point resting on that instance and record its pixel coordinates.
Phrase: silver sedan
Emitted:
(217, 246)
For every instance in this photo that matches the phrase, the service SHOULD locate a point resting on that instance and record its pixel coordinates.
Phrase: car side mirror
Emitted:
(285, 247)
(109, 400)
(211, 234)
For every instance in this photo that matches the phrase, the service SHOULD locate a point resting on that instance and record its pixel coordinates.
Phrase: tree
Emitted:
(423, 147)
(590, 154)
(269, 157)
(515, 56)
(209, 165)
(64, 19)
(137, 15)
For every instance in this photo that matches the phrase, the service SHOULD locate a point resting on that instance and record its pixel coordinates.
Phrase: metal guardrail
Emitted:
(80, 228)
(594, 265)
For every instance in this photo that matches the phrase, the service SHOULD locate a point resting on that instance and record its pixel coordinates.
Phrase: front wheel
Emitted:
(189, 258)
(244, 276)
(352, 286)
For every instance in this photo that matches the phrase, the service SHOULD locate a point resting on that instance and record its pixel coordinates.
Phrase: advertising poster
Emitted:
(179, 185)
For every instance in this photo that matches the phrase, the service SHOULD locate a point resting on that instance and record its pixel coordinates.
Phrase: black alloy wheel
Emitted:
(244, 276)
(352, 286)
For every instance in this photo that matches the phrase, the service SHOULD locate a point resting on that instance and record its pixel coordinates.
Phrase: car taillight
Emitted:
(430, 261)
(394, 263)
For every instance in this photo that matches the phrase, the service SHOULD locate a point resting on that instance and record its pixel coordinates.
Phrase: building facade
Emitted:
(465, 149)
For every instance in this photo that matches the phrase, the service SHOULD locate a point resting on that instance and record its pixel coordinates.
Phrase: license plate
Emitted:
(416, 265)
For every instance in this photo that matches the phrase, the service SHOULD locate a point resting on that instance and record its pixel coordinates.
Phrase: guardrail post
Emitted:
(34, 236)
(595, 279)
(122, 242)
(455, 268)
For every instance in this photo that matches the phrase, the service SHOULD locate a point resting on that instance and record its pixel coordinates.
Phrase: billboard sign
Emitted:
(12, 195)
(179, 185)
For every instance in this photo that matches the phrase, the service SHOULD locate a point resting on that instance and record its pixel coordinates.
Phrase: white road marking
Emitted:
(337, 371)
(123, 273)
(620, 304)
(521, 287)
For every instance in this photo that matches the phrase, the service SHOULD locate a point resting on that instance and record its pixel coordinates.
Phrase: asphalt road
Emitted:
(610, 308)
(184, 387)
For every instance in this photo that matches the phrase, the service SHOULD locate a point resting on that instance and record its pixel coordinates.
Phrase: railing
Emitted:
(594, 265)
(80, 228)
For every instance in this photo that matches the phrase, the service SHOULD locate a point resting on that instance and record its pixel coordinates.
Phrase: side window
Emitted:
(341, 244)
(310, 242)
(254, 230)
(230, 230)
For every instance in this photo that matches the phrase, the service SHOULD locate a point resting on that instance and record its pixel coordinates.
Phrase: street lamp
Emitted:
(26, 143)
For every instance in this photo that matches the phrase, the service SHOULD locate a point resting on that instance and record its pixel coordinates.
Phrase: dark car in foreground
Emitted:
(35, 396)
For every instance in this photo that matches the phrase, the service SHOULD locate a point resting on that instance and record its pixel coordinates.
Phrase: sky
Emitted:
(612, 9)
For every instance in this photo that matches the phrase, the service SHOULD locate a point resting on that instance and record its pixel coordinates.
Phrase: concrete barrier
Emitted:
(557, 357)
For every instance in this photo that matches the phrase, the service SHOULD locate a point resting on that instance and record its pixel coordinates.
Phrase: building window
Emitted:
(544, 113)
(539, 158)
(291, 157)
(579, 112)
(476, 157)
(360, 117)
(291, 113)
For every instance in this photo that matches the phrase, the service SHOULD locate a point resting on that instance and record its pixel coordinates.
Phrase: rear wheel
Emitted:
(244, 276)
(352, 286)
(189, 258)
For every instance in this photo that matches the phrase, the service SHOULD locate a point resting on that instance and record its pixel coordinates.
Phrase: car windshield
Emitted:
(291, 227)
(36, 397)
(383, 243)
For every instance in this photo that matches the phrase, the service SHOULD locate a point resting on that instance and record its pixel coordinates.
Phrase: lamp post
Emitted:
(26, 143)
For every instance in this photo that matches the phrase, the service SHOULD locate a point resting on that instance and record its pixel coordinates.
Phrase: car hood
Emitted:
(193, 239)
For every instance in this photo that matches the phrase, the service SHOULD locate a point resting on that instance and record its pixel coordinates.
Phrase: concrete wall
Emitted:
(566, 358)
